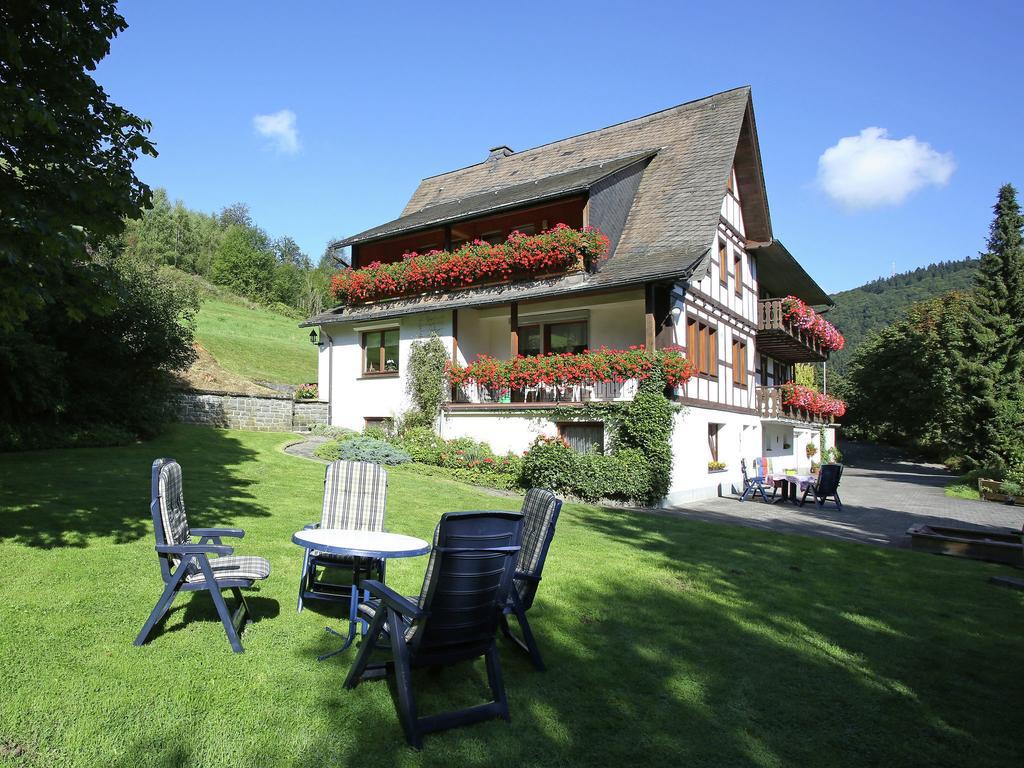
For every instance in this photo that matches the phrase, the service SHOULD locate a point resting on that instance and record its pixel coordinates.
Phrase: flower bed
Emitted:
(603, 365)
(802, 316)
(561, 249)
(307, 392)
(811, 400)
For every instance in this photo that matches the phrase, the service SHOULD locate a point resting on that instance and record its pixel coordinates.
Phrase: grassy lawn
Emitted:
(668, 642)
(275, 348)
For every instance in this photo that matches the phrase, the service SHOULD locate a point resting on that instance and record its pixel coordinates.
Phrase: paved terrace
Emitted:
(883, 495)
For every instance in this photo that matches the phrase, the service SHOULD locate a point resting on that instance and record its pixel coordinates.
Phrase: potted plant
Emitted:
(1012, 490)
(716, 466)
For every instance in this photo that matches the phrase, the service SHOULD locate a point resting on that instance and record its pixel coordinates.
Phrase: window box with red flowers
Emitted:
(802, 317)
(806, 400)
(558, 251)
(567, 375)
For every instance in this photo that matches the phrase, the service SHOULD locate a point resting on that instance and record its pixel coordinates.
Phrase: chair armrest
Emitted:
(526, 576)
(194, 549)
(392, 599)
(236, 533)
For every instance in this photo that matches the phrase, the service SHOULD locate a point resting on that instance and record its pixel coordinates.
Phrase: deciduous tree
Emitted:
(66, 155)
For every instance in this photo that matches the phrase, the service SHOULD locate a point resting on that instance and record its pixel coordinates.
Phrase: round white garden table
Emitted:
(377, 545)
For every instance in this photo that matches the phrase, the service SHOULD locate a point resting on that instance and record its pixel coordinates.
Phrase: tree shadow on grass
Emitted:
(725, 649)
(65, 498)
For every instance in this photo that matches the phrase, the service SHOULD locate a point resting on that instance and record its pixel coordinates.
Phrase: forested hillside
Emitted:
(876, 304)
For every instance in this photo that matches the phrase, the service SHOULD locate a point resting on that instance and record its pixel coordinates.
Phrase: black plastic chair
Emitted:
(827, 487)
(754, 485)
(186, 566)
(455, 618)
(540, 513)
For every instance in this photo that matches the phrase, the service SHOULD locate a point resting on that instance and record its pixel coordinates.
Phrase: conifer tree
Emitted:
(991, 374)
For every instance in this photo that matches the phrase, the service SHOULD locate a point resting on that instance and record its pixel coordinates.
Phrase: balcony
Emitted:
(784, 341)
(769, 404)
(541, 396)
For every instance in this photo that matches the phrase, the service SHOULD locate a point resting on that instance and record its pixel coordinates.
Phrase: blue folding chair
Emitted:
(755, 485)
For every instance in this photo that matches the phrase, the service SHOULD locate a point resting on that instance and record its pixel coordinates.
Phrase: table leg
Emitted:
(353, 619)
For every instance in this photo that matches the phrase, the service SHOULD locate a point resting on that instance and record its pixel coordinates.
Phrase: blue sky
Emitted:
(385, 94)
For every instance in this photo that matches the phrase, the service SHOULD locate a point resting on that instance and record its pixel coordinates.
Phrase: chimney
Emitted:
(497, 153)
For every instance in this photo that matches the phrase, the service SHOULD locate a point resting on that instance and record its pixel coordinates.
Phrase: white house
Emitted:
(693, 262)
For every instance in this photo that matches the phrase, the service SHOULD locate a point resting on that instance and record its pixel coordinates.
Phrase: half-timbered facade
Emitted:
(693, 263)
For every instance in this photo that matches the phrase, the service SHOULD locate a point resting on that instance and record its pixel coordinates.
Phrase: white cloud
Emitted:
(280, 129)
(871, 170)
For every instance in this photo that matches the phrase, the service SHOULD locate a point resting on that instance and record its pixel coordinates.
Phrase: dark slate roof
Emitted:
(782, 275)
(674, 216)
(527, 193)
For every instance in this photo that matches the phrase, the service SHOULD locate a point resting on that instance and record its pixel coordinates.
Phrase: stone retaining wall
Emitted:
(266, 413)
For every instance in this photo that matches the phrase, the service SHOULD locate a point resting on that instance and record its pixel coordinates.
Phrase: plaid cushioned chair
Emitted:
(186, 566)
(540, 513)
(355, 493)
(455, 618)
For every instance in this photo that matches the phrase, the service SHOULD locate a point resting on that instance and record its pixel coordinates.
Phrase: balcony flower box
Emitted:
(809, 400)
(573, 370)
(558, 251)
(801, 316)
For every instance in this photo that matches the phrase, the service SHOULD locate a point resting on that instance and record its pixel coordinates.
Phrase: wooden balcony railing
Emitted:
(782, 340)
(768, 402)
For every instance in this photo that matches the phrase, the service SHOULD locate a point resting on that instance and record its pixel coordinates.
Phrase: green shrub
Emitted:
(46, 436)
(425, 381)
(423, 444)
(362, 448)
(335, 433)
(646, 424)
(1013, 482)
(624, 475)
(463, 450)
(549, 463)
(385, 433)
(633, 475)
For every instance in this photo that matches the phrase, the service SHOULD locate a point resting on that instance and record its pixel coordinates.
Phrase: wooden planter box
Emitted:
(995, 547)
(989, 490)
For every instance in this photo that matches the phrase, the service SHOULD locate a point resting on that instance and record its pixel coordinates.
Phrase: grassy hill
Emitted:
(877, 304)
(256, 343)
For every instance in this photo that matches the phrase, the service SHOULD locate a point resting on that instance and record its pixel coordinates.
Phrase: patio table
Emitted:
(793, 484)
(376, 545)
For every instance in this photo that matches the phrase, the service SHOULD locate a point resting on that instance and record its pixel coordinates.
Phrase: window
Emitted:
(565, 337)
(702, 346)
(729, 185)
(494, 237)
(713, 430)
(526, 229)
(739, 363)
(723, 256)
(583, 436)
(380, 352)
(379, 422)
(541, 338)
(529, 340)
(737, 269)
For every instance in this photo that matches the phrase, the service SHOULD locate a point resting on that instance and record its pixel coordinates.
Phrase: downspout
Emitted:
(330, 373)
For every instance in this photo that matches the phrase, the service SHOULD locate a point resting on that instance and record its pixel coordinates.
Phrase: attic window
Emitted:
(723, 269)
